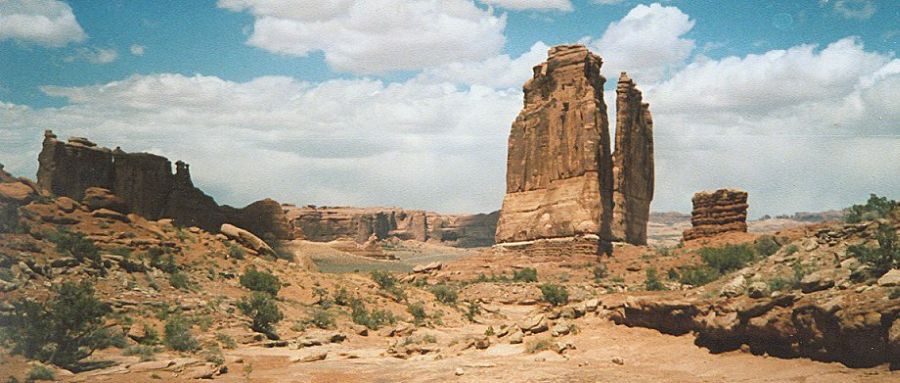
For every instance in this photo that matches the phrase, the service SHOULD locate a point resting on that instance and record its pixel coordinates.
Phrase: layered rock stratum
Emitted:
(717, 212)
(633, 168)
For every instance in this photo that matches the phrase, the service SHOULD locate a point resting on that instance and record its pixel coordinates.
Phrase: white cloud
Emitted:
(607, 2)
(647, 43)
(137, 50)
(519, 5)
(855, 9)
(375, 36)
(45, 22)
(500, 71)
(93, 55)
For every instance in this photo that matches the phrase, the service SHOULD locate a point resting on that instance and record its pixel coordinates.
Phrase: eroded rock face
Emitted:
(13, 194)
(717, 212)
(265, 218)
(633, 168)
(559, 169)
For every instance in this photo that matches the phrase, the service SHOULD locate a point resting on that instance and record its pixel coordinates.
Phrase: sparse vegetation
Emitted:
(472, 310)
(61, 330)
(600, 272)
(417, 310)
(177, 334)
(527, 274)
(766, 245)
(372, 320)
(536, 345)
(39, 372)
(180, 281)
(790, 250)
(157, 261)
(445, 294)
(260, 281)
(226, 341)
(652, 283)
(556, 295)
(320, 318)
(236, 252)
(698, 275)
(876, 207)
(78, 246)
(146, 353)
(727, 258)
(388, 283)
(263, 312)
(882, 259)
(342, 297)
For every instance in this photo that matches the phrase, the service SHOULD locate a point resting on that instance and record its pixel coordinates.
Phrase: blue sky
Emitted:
(409, 103)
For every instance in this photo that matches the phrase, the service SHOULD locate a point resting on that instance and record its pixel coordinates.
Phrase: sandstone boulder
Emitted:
(890, 279)
(247, 239)
(100, 198)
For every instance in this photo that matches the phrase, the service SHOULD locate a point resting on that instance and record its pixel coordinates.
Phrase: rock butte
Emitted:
(721, 211)
(561, 183)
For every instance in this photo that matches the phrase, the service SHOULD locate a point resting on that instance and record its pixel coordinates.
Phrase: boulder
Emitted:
(534, 324)
(247, 239)
(757, 289)
(96, 198)
(890, 279)
(817, 281)
(734, 287)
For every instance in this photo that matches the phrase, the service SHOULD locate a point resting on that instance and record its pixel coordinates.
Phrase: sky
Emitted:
(409, 103)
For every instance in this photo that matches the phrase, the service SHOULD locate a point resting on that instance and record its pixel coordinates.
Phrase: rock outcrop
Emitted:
(325, 223)
(14, 193)
(721, 211)
(564, 190)
(265, 218)
(633, 168)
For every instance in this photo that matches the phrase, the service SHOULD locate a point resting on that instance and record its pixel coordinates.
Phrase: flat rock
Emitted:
(889, 279)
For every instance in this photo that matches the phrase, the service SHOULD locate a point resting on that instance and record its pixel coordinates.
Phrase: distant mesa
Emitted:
(717, 212)
(565, 191)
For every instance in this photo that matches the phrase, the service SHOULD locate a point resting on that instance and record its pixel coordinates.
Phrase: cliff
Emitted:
(717, 212)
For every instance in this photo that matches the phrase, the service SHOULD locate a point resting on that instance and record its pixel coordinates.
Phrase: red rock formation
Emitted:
(67, 169)
(632, 164)
(717, 212)
(559, 168)
(265, 218)
(14, 193)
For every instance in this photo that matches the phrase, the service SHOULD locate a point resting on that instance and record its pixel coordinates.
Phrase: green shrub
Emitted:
(652, 283)
(122, 251)
(61, 330)
(556, 295)
(766, 245)
(418, 312)
(39, 372)
(263, 312)
(698, 275)
(790, 250)
(178, 335)
(600, 272)
(527, 274)
(384, 279)
(235, 251)
(226, 341)
(727, 258)
(445, 294)
(372, 320)
(320, 318)
(78, 246)
(876, 207)
(157, 261)
(146, 353)
(342, 297)
(472, 310)
(882, 259)
(180, 281)
(261, 281)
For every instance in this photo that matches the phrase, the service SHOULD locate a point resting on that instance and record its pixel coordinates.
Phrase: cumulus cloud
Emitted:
(855, 9)
(501, 71)
(519, 5)
(137, 50)
(375, 36)
(648, 42)
(93, 55)
(362, 142)
(45, 22)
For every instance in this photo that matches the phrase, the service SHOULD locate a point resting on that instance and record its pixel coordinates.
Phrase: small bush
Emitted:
(157, 261)
(342, 297)
(78, 246)
(226, 341)
(652, 283)
(372, 320)
(122, 251)
(320, 318)
(445, 294)
(146, 353)
(180, 281)
(61, 330)
(40, 372)
(527, 274)
(236, 252)
(882, 259)
(214, 355)
(384, 279)
(600, 272)
(556, 295)
(178, 335)
(766, 245)
(261, 281)
(876, 207)
(263, 312)
(418, 312)
(697, 275)
(790, 250)
(472, 310)
(727, 258)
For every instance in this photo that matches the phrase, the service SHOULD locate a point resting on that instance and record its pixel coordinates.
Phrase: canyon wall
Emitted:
(721, 211)
(559, 168)
(633, 168)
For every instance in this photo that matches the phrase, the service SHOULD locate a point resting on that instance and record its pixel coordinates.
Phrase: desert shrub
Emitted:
(178, 335)
(727, 258)
(791, 249)
(445, 294)
(40, 372)
(374, 319)
(792, 282)
(263, 312)
(472, 310)
(876, 207)
(146, 353)
(78, 246)
(489, 331)
(214, 355)
(122, 251)
(698, 275)
(61, 330)
(236, 252)
(556, 295)
(600, 272)
(766, 245)
(342, 297)
(321, 294)
(226, 341)
(527, 274)
(151, 336)
(417, 310)
(166, 264)
(652, 283)
(320, 318)
(261, 281)
(180, 281)
(388, 283)
(882, 259)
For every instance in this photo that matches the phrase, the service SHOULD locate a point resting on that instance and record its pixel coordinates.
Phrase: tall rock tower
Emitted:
(559, 180)
(632, 164)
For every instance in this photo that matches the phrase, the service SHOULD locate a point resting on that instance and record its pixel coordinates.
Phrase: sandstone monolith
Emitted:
(633, 167)
(720, 211)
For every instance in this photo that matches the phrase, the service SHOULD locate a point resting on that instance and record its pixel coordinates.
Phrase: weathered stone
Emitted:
(633, 168)
(265, 218)
(734, 287)
(757, 289)
(100, 198)
(721, 211)
(109, 214)
(433, 266)
(66, 204)
(246, 238)
(534, 324)
(889, 279)
(819, 280)
(559, 168)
